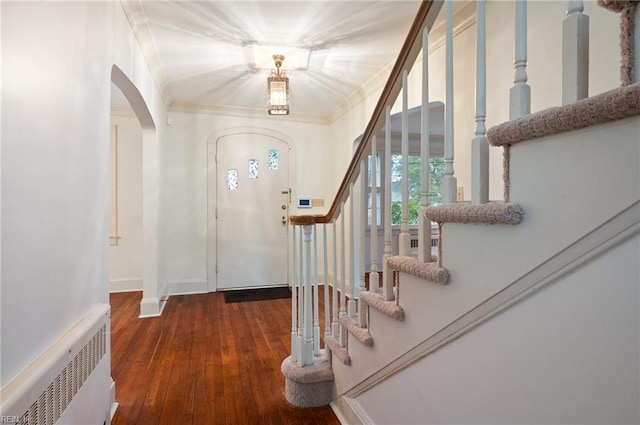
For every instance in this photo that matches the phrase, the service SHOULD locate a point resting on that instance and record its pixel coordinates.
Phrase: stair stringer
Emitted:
(562, 347)
(564, 183)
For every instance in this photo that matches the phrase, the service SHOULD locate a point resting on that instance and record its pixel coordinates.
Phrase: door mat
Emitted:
(257, 294)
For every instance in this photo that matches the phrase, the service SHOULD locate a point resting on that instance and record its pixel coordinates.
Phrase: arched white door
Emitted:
(252, 211)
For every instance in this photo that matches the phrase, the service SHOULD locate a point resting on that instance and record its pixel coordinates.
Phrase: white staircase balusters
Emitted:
(449, 181)
(404, 240)
(575, 53)
(316, 295)
(374, 278)
(636, 41)
(301, 291)
(307, 358)
(294, 301)
(424, 224)
(361, 245)
(335, 327)
(353, 287)
(327, 305)
(387, 274)
(343, 289)
(479, 144)
(520, 94)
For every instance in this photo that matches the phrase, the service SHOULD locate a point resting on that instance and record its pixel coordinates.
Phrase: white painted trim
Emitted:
(464, 17)
(601, 239)
(150, 307)
(114, 403)
(349, 411)
(228, 111)
(212, 231)
(18, 394)
(134, 11)
(187, 286)
(127, 284)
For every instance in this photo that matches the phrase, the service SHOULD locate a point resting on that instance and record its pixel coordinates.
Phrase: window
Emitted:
(232, 179)
(414, 166)
(253, 169)
(273, 160)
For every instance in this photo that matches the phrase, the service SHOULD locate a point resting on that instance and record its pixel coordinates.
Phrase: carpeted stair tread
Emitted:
(429, 271)
(495, 212)
(340, 352)
(619, 103)
(361, 334)
(377, 301)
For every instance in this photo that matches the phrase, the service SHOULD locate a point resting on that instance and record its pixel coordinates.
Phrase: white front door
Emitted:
(252, 211)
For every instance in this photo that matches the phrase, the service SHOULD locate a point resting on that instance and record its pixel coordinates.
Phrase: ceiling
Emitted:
(205, 56)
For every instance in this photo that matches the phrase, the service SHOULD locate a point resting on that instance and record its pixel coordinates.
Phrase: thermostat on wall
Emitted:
(304, 203)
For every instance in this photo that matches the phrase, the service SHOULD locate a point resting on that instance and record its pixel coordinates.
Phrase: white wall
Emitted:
(57, 59)
(189, 243)
(568, 354)
(126, 254)
(544, 55)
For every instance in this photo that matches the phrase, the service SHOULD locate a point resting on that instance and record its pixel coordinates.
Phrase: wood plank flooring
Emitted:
(204, 362)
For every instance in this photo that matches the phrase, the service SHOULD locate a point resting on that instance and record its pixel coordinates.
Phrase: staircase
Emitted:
(528, 312)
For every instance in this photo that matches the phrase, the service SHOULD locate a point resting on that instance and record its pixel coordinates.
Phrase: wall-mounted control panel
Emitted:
(304, 203)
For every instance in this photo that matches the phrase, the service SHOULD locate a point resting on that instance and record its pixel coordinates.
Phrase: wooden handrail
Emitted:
(407, 56)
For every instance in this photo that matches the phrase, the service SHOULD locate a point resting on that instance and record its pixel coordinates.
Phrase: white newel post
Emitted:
(575, 53)
(294, 301)
(387, 273)
(327, 317)
(424, 224)
(316, 295)
(449, 181)
(520, 94)
(361, 238)
(404, 240)
(374, 279)
(335, 328)
(307, 358)
(353, 287)
(479, 145)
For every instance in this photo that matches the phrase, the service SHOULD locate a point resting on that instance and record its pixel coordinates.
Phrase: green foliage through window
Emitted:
(436, 171)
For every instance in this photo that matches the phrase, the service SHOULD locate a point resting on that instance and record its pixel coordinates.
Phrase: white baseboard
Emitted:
(128, 284)
(150, 307)
(349, 411)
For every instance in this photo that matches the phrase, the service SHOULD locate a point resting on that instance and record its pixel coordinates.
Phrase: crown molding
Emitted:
(134, 11)
(245, 113)
(463, 17)
(373, 86)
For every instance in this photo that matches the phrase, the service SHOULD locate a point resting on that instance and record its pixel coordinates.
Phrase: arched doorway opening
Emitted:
(151, 304)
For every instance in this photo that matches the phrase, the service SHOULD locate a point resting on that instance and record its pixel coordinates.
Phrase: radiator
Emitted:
(46, 389)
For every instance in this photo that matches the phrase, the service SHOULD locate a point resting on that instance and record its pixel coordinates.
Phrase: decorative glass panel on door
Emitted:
(253, 169)
(273, 159)
(232, 179)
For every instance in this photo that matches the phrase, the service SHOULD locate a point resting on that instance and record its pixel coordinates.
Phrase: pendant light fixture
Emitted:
(278, 89)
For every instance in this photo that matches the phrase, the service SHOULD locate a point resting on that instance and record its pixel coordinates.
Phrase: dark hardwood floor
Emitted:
(204, 362)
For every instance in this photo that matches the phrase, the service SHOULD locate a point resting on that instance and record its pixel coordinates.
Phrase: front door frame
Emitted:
(212, 233)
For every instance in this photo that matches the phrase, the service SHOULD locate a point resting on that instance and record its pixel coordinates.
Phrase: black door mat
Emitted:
(257, 294)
